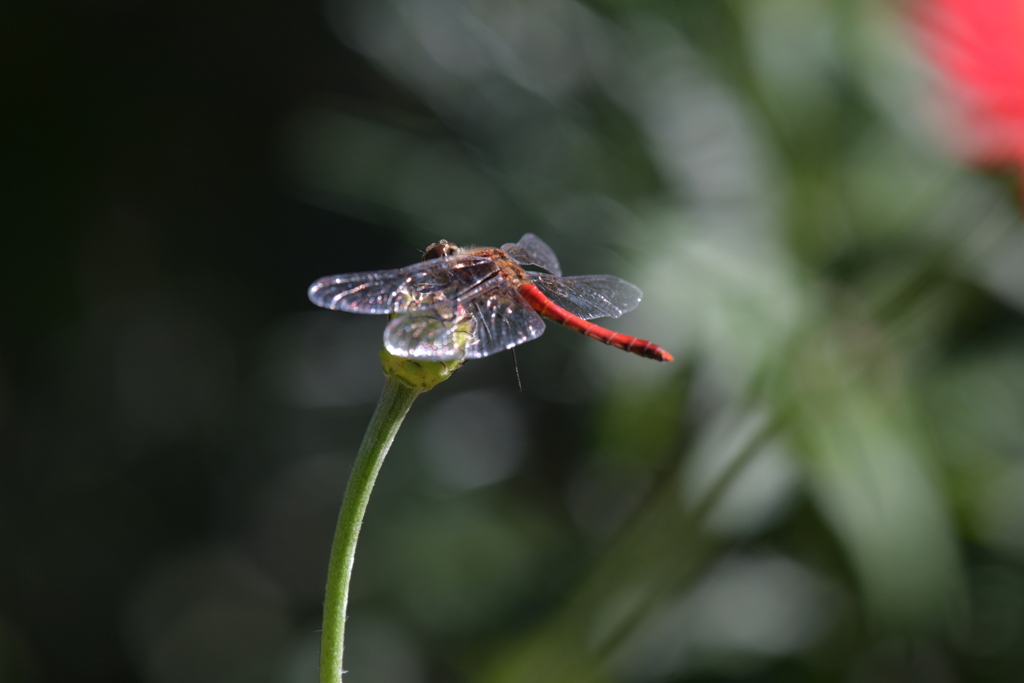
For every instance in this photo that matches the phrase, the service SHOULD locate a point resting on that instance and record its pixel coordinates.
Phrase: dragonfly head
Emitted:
(440, 249)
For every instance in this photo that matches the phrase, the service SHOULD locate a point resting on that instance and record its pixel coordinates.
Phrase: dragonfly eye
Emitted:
(439, 250)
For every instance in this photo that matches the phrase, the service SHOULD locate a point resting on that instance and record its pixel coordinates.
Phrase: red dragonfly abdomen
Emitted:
(549, 309)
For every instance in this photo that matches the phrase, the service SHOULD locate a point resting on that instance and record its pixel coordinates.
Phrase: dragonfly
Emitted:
(476, 301)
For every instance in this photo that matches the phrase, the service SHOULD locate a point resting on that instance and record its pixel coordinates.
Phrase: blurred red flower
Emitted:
(978, 47)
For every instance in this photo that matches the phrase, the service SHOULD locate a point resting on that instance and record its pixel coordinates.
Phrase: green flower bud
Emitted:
(422, 375)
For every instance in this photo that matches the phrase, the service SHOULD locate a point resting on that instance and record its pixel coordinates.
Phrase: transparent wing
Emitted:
(500, 321)
(590, 296)
(421, 334)
(423, 285)
(531, 250)
(493, 319)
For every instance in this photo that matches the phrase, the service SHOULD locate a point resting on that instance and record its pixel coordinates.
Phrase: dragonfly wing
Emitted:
(531, 250)
(494, 319)
(423, 335)
(590, 296)
(358, 292)
(501, 319)
(420, 286)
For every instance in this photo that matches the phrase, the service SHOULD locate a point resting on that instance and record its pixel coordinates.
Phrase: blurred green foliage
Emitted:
(824, 486)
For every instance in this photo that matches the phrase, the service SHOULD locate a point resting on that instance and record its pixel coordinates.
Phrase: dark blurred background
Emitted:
(825, 485)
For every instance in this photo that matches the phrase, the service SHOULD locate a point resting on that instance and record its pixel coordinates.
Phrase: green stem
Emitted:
(392, 408)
